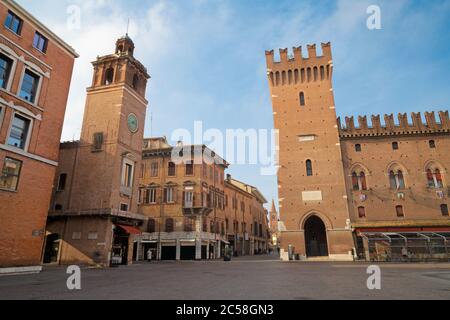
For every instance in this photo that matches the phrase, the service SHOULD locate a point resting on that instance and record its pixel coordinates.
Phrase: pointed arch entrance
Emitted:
(316, 237)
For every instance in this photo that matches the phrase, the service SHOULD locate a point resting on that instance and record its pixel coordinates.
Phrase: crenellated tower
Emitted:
(313, 204)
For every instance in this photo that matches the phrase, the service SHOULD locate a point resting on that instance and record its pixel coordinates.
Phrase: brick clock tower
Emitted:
(110, 149)
(313, 200)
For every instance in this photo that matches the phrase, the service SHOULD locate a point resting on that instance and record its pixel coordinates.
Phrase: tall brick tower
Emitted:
(96, 192)
(110, 149)
(313, 200)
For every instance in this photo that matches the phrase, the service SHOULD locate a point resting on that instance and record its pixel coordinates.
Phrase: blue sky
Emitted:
(207, 61)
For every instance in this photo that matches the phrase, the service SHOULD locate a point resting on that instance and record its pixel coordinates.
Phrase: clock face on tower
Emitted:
(133, 124)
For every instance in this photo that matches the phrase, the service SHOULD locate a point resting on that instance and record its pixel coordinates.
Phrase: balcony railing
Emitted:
(196, 206)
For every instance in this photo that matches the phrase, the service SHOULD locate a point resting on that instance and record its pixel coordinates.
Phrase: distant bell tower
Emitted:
(313, 201)
(110, 152)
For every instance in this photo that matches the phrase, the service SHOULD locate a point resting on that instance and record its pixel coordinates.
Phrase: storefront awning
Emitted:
(129, 229)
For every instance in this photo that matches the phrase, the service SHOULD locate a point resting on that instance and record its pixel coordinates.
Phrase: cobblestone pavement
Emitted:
(245, 278)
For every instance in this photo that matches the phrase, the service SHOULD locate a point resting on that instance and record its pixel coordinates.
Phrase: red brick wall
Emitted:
(25, 211)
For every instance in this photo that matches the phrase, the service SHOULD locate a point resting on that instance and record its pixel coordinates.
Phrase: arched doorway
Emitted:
(315, 237)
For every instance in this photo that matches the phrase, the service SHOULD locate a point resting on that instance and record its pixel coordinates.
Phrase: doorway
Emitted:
(52, 245)
(120, 247)
(316, 238)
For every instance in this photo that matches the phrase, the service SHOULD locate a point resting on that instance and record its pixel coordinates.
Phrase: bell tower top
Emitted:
(125, 46)
(120, 68)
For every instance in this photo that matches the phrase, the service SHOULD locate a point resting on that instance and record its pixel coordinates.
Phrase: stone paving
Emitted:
(260, 277)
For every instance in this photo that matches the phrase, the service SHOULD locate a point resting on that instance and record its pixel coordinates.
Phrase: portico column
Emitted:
(138, 251)
(178, 251)
(159, 250)
(366, 248)
(198, 249)
(218, 249)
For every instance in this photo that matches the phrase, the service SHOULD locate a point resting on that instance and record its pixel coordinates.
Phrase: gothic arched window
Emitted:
(396, 180)
(359, 181)
(434, 179)
(309, 168)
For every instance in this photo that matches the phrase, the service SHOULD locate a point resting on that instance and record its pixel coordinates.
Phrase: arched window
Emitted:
(434, 179)
(302, 75)
(400, 180)
(359, 181)
(396, 180)
(322, 73)
(432, 144)
(355, 183)
(358, 147)
(399, 211)
(361, 212)
(444, 210)
(151, 226)
(362, 180)
(135, 81)
(394, 145)
(309, 168)
(316, 74)
(277, 78)
(169, 225)
(308, 74)
(109, 76)
(302, 99)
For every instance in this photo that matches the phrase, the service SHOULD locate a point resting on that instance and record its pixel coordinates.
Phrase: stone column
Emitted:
(218, 246)
(366, 248)
(178, 251)
(198, 249)
(138, 251)
(159, 250)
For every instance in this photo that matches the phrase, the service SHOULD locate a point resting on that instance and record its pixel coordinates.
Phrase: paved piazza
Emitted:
(245, 278)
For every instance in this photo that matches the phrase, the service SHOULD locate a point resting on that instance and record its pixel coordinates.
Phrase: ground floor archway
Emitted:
(315, 237)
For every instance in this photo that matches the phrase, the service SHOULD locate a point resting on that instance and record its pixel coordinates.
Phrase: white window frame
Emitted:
(30, 130)
(38, 88)
(169, 191)
(12, 71)
(124, 166)
(151, 191)
(14, 57)
(2, 112)
(154, 168)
